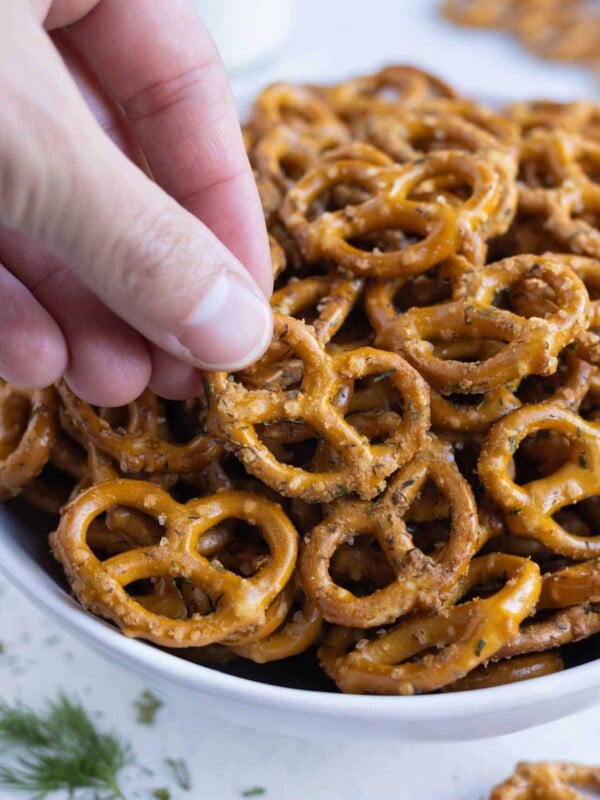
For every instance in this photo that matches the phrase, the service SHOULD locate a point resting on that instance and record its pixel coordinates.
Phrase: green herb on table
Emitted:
(161, 794)
(147, 706)
(181, 772)
(1, 648)
(255, 791)
(60, 749)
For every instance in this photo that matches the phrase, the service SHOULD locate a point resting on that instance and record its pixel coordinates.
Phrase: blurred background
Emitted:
(323, 40)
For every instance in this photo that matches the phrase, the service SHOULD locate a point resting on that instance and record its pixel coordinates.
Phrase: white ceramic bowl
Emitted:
(25, 561)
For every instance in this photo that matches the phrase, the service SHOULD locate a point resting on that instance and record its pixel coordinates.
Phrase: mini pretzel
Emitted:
(556, 186)
(511, 670)
(420, 581)
(46, 492)
(141, 447)
(479, 13)
(577, 117)
(445, 228)
(466, 635)
(27, 434)
(240, 603)
(362, 467)
(295, 107)
(528, 509)
(370, 94)
(551, 780)
(531, 345)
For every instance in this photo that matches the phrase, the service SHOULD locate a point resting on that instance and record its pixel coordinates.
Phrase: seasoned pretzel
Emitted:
(529, 509)
(27, 434)
(443, 227)
(407, 85)
(466, 635)
(240, 603)
(511, 670)
(551, 780)
(295, 107)
(558, 184)
(362, 467)
(420, 581)
(530, 345)
(140, 447)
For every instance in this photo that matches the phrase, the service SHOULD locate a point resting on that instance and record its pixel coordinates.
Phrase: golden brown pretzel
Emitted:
(529, 509)
(529, 345)
(510, 670)
(27, 434)
(141, 447)
(548, 781)
(465, 636)
(420, 581)
(240, 604)
(362, 467)
(407, 85)
(444, 228)
(297, 107)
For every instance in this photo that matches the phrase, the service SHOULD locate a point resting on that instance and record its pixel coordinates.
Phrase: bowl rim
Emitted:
(41, 589)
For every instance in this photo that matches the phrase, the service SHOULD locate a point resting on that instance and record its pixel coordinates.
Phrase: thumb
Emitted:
(152, 262)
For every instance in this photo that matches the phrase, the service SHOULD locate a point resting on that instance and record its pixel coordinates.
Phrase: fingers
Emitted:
(148, 259)
(159, 61)
(172, 378)
(33, 352)
(109, 363)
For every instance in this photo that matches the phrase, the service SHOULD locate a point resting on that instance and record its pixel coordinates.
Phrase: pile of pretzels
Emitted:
(406, 486)
(553, 29)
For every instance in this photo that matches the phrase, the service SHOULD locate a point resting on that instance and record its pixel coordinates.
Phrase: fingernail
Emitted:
(230, 328)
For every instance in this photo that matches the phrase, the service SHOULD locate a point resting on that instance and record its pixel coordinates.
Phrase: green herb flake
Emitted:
(255, 791)
(60, 749)
(513, 442)
(583, 461)
(1, 648)
(181, 772)
(147, 706)
(383, 375)
(512, 512)
(480, 645)
(161, 794)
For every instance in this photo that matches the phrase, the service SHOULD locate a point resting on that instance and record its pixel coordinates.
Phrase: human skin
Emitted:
(110, 277)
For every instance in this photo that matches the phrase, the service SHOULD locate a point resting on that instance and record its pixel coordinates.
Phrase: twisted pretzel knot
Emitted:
(362, 467)
(527, 345)
(465, 634)
(444, 226)
(529, 509)
(419, 580)
(141, 447)
(240, 603)
(27, 434)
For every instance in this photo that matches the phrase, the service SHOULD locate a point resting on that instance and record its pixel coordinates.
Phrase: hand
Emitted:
(107, 277)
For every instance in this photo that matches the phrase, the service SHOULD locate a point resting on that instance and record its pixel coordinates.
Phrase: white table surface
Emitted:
(330, 38)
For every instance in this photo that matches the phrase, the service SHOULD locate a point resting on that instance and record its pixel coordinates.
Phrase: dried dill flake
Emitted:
(147, 706)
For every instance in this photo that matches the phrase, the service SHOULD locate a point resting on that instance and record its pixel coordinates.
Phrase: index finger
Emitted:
(159, 62)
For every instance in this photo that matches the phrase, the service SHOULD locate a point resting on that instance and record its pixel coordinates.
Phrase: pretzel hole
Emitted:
(538, 388)
(173, 598)
(360, 566)
(385, 240)
(341, 197)
(421, 291)
(538, 173)
(582, 518)
(540, 454)
(465, 350)
(355, 331)
(590, 164)
(122, 529)
(444, 188)
(183, 419)
(246, 552)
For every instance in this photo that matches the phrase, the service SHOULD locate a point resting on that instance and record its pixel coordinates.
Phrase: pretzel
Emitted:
(240, 603)
(48, 492)
(420, 581)
(548, 780)
(295, 107)
(444, 227)
(465, 635)
(408, 85)
(556, 187)
(27, 434)
(528, 509)
(531, 345)
(362, 467)
(478, 13)
(577, 117)
(141, 447)
(512, 670)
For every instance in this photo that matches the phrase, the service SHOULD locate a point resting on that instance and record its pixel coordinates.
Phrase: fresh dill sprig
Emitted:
(181, 772)
(60, 749)
(147, 706)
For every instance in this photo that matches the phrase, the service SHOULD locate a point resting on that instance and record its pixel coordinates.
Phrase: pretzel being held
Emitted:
(361, 466)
